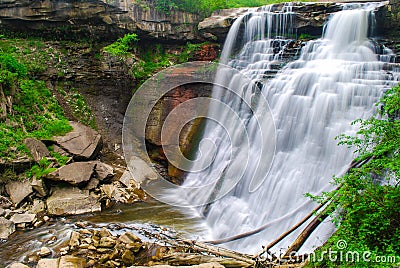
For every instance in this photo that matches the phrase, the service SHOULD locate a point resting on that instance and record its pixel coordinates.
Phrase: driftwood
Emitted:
(305, 234)
(219, 252)
(291, 230)
(179, 259)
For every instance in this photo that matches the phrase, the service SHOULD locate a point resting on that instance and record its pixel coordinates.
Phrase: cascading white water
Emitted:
(336, 80)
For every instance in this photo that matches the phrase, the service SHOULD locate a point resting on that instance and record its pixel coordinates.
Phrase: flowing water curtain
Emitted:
(337, 79)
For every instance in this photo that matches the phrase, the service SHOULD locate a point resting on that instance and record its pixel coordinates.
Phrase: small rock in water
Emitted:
(44, 251)
(81, 224)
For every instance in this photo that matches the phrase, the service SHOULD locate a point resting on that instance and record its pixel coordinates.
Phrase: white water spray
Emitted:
(336, 80)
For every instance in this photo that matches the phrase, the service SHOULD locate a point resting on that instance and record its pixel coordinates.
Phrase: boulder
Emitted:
(39, 186)
(217, 25)
(48, 263)
(18, 190)
(92, 184)
(38, 206)
(71, 262)
(103, 171)
(128, 238)
(23, 218)
(75, 173)
(6, 228)
(44, 251)
(71, 201)
(82, 143)
(37, 149)
(141, 171)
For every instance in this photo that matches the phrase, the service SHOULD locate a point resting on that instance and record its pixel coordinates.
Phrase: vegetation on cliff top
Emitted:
(366, 204)
(206, 7)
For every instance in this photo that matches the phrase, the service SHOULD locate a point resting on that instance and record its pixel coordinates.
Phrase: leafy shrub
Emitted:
(122, 46)
(366, 205)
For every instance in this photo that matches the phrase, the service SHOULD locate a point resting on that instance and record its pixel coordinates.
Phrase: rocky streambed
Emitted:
(39, 215)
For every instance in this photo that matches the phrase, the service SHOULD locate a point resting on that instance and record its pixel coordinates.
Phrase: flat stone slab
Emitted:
(82, 143)
(71, 201)
(23, 218)
(74, 173)
(18, 190)
(6, 228)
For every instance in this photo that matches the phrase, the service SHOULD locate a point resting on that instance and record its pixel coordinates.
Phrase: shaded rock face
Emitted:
(187, 135)
(68, 19)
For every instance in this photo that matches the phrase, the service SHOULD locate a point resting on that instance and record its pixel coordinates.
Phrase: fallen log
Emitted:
(220, 252)
(179, 259)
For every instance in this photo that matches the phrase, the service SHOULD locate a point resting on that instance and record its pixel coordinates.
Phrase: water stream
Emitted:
(335, 80)
(141, 218)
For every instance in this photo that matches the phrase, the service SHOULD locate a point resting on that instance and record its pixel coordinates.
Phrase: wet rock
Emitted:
(128, 238)
(75, 173)
(135, 247)
(104, 232)
(107, 242)
(71, 201)
(6, 228)
(39, 186)
(74, 239)
(44, 251)
(48, 263)
(82, 143)
(18, 190)
(128, 258)
(37, 149)
(23, 218)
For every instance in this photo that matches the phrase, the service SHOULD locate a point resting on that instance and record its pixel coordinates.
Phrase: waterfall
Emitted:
(291, 140)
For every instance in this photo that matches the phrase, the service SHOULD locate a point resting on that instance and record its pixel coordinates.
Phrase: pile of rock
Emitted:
(83, 185)
(99, 248)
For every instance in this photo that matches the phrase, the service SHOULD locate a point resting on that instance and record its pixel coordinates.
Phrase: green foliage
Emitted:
(155, 58)
(41, 169)
(122, 46)
(34, 111)
(206, 7)
(369, 195)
